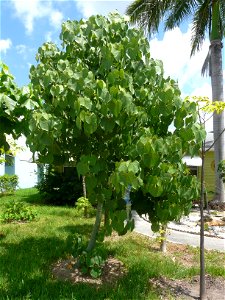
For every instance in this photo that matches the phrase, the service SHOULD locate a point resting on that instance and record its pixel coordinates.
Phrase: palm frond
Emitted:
(200, 24)
(148, 13)
(206, 68)
(180, 10)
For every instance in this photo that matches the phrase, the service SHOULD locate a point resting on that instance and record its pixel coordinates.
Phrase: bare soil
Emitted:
(179, 289)
(112, 270)
(189, 289)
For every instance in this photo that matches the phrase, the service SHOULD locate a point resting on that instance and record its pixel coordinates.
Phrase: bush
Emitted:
(60, 188)
(84, 208)
(18, 211)
(8, 184)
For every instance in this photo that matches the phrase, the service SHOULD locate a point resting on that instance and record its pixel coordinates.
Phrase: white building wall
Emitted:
(27, 173)
(24, 168)
(2, 169)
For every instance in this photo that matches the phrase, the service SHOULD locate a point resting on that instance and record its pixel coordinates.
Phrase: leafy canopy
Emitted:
(106, 107)
(15, 103)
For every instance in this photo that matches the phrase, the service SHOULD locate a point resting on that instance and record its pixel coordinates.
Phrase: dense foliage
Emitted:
(60, 188)
(8, 184)
(107, 107)
(18, 212)
(14, 105)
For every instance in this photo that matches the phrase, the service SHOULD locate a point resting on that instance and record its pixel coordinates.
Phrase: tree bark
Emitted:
(95, 229)
(84, 194)
(218, 119)
(163, 239)
(202, 246)
(217, 92)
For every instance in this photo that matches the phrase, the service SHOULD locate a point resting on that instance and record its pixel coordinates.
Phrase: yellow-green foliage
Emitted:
(206, 105)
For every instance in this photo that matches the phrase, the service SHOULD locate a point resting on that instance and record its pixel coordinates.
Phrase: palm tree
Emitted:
(208, 18)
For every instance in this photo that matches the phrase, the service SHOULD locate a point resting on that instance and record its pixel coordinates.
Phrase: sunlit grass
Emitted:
(28, 250)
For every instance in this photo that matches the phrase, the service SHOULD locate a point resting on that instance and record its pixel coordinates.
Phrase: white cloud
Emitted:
(56, 18)
(174, 50)
(25, 51)
(48, 36)
(5, 45)
(203, 90)
(29, 11)
(103, 7)
(21, 49)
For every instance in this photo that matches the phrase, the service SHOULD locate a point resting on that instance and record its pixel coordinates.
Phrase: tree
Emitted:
(106, 107)
(14, 105)
(208, 16)
(205, 106)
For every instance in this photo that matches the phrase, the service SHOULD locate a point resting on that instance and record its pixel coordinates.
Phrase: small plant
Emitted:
(91, 263)
(88, 262)
(8, 184)
(206, 227)
(18, 211)
(83, 207)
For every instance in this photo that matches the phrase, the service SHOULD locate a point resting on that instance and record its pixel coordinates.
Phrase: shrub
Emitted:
(8, 184)
(90, 263)
(60, 188)
(18, 211)
(84, 207)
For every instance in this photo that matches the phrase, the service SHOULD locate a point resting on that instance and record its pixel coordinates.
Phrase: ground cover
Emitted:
(30, 251)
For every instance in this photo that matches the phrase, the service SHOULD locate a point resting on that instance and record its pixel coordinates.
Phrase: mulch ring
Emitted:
(112, 270)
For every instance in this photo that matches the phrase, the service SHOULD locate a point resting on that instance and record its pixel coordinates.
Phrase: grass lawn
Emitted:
(27, 251)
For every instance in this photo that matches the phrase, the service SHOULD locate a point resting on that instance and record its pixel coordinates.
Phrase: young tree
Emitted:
(208, 17)
(205, 106)
(106, 106)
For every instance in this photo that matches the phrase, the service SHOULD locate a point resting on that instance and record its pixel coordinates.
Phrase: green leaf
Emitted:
(44, 124)
(82, 168)
(154, 186)
(115, 107)
(155, 227)
(90, 124)
(85, 102)
(107, 124)
(134, 167)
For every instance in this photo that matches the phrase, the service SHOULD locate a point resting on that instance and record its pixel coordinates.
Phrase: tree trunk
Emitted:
(202, 246)
(84, 187)
(218, 119)
(85, 195)
(106, 216)
(163, 239)
(95, 229)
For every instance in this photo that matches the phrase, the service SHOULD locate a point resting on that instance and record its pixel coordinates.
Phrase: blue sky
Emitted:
(27, 24)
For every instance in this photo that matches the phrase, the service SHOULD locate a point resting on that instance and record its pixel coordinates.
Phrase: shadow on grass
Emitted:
(34, 198)
(84, 229)
(26, 274)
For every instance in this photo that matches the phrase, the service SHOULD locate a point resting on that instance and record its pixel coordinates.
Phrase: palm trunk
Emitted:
(95, 229)
(218, 119)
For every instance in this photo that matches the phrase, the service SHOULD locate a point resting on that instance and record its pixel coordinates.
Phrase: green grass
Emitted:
(28, 250)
